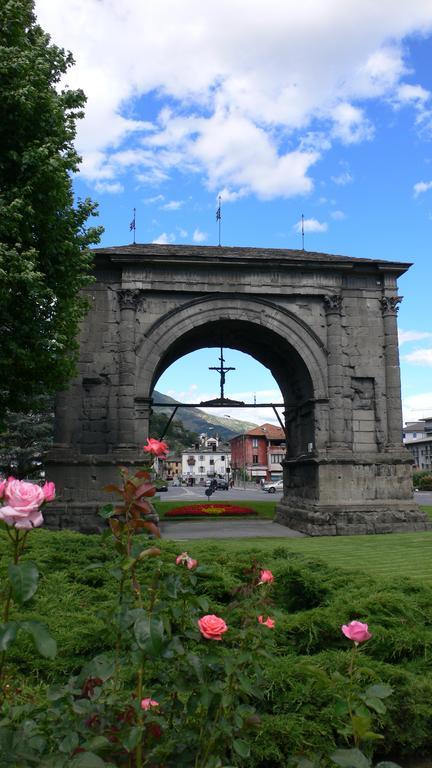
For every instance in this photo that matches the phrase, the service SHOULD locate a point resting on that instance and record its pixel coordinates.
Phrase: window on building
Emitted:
(255, 458)
(222, 458)
(201, 458)
(254, 442)
(202, 470)
(276, 458)
(211, 461)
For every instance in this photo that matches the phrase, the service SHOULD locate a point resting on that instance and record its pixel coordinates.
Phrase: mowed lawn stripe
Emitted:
(387, 555)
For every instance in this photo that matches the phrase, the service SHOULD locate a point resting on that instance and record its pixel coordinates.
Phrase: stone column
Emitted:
(63, 421)
(128, 300)
(389, 308)
(142, 419)
(333, 310)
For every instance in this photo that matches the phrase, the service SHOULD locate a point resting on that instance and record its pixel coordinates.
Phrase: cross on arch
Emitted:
(222, 370)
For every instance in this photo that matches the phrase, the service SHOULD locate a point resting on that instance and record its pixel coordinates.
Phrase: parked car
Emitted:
(161, 485)
(222, 484)
(273, 486)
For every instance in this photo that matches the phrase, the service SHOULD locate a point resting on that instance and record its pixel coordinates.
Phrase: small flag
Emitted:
(219, 217)
(132, 225)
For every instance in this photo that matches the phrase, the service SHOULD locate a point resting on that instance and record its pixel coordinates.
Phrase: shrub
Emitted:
(425, 483)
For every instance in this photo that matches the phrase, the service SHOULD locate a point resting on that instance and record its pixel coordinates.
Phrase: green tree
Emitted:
(24, 440)
(44, 237)
(178, 437)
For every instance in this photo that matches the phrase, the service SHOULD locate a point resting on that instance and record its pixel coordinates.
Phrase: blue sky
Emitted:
(285, 108)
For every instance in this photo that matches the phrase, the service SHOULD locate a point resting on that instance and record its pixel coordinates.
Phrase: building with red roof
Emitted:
(258, 453)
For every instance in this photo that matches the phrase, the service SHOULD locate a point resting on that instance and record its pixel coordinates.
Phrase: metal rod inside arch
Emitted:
(222, 405)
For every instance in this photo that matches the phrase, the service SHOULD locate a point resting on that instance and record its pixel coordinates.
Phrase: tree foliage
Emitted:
(25, 438)
(44, 238)
(178, 437)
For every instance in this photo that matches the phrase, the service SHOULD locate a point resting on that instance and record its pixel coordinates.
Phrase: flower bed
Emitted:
(209, 510)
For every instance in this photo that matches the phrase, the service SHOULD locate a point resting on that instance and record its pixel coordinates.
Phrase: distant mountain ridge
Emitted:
(198, 421)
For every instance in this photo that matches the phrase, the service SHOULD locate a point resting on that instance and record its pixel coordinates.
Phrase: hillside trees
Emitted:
(44, 236)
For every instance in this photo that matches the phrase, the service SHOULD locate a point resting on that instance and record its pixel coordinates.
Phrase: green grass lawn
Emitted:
(393, 555)
(328, 581)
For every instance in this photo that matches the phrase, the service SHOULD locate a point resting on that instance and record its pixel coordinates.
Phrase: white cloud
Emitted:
(338, 215)
(419, 357)
(417, 407)
(421, 186)
(199, 237)
(407, 336)
(153, 200)
(350, 124)
(173, 205)
(229, 195)
(407, 94)
(343, 178)
(164, 238)
(113, 187)
(311, 225)
(303, 72)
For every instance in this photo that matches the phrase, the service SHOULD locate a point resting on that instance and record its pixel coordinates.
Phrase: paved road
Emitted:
(196, 494)
(225, 529)
(423, 497)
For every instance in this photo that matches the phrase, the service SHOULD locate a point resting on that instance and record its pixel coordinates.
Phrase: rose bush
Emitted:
(19, 513)
(166, 695)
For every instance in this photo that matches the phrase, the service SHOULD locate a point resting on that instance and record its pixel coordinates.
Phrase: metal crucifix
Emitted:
(222, 370)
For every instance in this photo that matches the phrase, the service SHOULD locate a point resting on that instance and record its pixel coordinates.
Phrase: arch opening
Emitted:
(268, 348)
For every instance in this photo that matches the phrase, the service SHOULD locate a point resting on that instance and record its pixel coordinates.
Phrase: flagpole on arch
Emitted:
(132, 225)
(219, 217)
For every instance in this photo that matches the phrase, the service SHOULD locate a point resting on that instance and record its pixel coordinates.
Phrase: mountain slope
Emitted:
(198, 421)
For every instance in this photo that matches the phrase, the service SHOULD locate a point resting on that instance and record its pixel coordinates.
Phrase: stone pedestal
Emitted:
(79, 481)
(341, 496)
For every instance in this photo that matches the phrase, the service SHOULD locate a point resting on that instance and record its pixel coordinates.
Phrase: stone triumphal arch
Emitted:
(325, 326)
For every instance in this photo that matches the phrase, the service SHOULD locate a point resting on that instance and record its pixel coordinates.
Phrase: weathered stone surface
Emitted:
(325, 326)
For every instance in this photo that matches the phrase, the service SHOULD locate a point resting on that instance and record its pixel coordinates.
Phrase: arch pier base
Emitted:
(79, 479)
(331, 497)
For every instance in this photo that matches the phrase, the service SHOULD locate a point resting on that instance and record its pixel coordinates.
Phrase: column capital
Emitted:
(129, 298)
(333, 304)
(390, 304)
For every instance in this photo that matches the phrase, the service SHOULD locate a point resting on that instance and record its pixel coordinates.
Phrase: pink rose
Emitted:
(23, 496)
(49, 491)
(148, 704)
(212, 627)
(270, 623)
(184, 559)
(2, 487)
(30, 518)
(157, 447)
(266, 577)
(356, 631)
